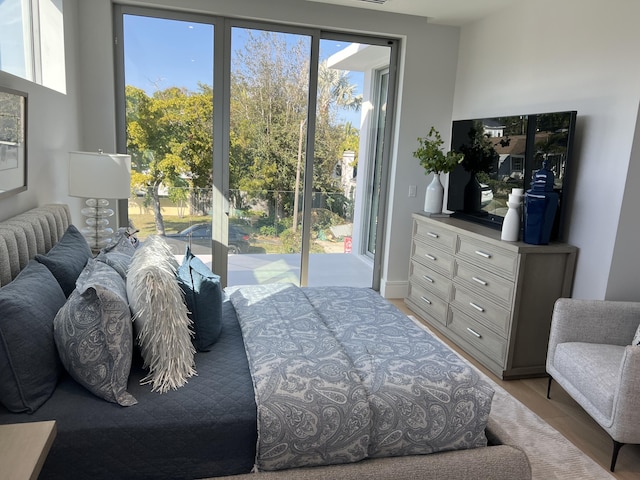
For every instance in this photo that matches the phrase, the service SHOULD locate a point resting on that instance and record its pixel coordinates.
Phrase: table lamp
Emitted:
(98, 177)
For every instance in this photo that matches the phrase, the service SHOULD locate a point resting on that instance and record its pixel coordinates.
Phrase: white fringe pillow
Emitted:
(161, 322)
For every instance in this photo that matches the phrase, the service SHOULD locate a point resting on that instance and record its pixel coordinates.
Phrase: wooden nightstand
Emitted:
(24, 448)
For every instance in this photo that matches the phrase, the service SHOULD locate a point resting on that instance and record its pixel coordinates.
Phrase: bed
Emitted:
(297, 418)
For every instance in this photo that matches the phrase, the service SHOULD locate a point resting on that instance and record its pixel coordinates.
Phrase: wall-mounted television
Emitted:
(505, 152)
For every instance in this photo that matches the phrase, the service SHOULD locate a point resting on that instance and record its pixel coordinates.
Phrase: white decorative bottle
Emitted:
(435, 195)
(511, 223)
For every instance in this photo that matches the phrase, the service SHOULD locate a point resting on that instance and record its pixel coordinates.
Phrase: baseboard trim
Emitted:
(398, 289)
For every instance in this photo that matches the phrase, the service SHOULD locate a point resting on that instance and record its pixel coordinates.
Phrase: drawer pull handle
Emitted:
(426, 300)
(483, 254)
(428, 279)
(433, 235)
(477, 307)
(473, 332)
(430, 257)
(479, 280)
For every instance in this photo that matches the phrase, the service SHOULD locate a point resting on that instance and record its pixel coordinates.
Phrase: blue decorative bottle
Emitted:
(540, 206)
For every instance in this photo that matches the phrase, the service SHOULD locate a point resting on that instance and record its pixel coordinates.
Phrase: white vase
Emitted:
(434, 196)
(511, 223)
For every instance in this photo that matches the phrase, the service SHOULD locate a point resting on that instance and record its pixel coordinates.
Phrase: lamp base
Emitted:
(97, 232)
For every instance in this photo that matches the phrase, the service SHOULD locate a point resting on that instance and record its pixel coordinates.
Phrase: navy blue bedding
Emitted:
(206, 428)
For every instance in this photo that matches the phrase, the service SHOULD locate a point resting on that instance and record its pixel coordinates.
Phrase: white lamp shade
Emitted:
(99, 175)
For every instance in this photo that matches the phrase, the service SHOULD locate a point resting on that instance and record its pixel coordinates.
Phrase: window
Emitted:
(32, 41)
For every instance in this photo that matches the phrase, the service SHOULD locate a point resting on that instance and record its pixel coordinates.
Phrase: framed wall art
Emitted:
(13, 142)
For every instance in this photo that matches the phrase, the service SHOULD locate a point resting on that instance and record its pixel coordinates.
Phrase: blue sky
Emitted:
(162, 53)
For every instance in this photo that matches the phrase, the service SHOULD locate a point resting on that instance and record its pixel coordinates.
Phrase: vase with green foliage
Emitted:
(434, 160)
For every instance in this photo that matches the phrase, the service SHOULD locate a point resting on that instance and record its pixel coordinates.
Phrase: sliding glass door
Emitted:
(264, 148)
(269, 103)
(168, 98)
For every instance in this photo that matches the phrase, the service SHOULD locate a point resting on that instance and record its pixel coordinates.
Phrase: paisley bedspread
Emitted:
(340, 374)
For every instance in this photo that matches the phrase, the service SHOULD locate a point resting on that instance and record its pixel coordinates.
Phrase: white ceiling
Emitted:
(445, 12)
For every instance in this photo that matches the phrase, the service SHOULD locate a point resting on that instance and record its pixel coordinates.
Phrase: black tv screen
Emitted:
(503, 153)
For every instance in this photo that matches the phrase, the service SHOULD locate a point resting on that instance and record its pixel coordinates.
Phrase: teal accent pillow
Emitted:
(203, 296)
(67, 258)
(29, 363)
(94, 334)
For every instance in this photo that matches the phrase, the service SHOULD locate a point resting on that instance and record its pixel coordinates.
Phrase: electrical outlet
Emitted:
(412, 190)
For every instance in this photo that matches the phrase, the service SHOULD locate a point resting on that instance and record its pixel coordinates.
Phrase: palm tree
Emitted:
(334, 89)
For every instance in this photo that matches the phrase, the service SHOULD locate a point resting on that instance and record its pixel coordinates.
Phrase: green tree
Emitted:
(268, 104)
(169, 133)
(170, 139)
(269, 91)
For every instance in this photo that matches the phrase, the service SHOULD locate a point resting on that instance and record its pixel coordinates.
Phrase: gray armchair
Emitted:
(590, 355)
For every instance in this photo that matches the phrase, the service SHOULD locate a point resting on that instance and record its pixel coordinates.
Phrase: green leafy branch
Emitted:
(431, 156)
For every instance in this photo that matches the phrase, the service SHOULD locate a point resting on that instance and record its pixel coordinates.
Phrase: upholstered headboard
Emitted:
(29, 233)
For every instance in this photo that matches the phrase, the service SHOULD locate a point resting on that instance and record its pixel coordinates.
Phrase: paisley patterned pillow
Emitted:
(636, 337)
(118, 255)
(94, 335)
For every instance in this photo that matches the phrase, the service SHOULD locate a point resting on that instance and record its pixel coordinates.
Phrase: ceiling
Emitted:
(444, 12)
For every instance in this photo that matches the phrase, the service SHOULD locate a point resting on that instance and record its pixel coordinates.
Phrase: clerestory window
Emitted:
(32, 41)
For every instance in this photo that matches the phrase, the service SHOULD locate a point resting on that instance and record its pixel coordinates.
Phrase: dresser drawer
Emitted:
(432, 258)
(434, 234)
(430, 280)
(478, 335)
(488, 256)
(484, 283)
(483, 310)
(429, 303)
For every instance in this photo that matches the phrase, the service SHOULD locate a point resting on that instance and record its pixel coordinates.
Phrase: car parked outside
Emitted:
(200, 234)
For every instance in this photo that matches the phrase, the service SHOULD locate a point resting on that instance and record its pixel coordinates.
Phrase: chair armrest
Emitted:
(592, 321)
(626, 404)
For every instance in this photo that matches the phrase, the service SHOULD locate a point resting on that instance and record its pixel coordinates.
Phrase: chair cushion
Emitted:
(593, 369)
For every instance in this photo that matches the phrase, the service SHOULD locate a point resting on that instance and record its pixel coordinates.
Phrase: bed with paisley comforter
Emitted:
(299, 379)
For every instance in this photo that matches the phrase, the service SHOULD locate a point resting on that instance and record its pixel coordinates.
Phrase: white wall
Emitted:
(53, 131)
(426, 87)
(571, 55)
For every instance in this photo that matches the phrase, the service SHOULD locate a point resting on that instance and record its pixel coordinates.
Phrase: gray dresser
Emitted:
(492, 298)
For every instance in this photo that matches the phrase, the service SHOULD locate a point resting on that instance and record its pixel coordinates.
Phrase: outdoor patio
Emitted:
(325, 269)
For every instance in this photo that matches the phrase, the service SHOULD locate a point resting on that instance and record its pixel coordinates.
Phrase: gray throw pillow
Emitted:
(29, 364)
(94, 335)
(67, 258)
(118, 255)
(203, 296)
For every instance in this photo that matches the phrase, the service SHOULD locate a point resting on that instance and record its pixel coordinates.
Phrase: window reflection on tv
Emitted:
(503, 153)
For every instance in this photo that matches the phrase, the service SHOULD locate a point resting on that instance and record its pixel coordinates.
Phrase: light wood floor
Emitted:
(563, 414)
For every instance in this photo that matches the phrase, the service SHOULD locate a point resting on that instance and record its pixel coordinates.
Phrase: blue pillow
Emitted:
(118, 255)
(94, 335)
(29, 363)
(203, 296)
(67, 259)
